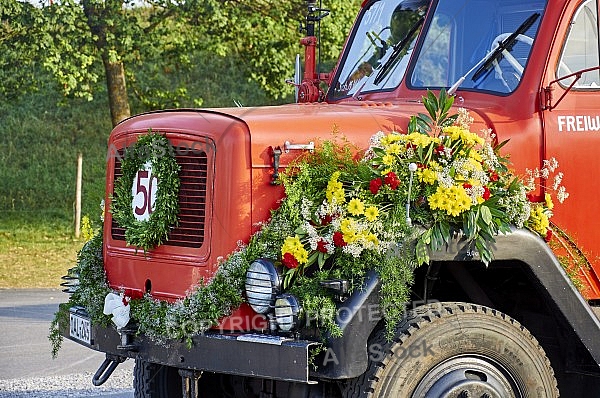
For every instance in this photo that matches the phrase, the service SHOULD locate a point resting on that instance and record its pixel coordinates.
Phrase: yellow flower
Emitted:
(435, 201)
(347, 226)
(465, 202)
(538, 220)
(388, 159)
(356, 207)
(302, 256)
(421, 140)
(549, 203)
(350, 237)
(453, 200)
(292, 245)
(453, 209)
(335, 189)
(371, 213)
(394, 149)
(475, 156)
(459, 133)
(390, 138)
(427, 176)
(372, 239)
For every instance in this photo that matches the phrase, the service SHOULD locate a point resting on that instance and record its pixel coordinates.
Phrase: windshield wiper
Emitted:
(398, 47)
(506, 44)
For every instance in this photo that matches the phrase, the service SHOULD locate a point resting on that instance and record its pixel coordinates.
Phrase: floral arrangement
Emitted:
(344, 215)
(152, 155)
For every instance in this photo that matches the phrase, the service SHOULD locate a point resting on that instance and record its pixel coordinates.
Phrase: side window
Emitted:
(581, 48)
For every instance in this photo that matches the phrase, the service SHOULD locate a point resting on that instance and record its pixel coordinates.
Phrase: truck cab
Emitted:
(527, 72)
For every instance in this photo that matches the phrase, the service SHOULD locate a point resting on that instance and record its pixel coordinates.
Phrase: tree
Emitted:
(266, 34)
(81, 40)
(19, 44)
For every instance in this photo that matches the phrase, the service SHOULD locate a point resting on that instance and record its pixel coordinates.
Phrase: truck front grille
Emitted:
(192, 200)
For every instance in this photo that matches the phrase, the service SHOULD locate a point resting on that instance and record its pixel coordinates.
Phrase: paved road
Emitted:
(25, 352)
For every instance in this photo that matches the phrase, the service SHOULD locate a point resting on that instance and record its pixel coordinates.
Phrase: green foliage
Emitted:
(265, 33)
(73, 40)
(90, 294)
(38, 155)
(70, 54)
(20, 41)
(153, 148)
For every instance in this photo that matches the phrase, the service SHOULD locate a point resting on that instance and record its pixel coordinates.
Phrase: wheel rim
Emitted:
(467, 377)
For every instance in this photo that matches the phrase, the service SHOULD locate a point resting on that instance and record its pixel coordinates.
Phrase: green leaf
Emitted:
(426, 236)
(313, 257)
(436, 241)
(486, 214)
(421, 252)
(321, 260)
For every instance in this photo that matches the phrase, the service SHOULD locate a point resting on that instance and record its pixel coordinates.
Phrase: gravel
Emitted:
(119, 385)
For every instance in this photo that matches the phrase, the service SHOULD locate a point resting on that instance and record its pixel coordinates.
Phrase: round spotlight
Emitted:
(263, 283)
(287, 312)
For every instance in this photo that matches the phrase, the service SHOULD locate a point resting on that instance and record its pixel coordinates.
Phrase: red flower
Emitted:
(392, 180)
(326, 220)
(493, 176)
(439, 149)
(486, 193)
(289, 260)
(466, 185)
(374, 185)
(338, 239)
(548, 236)
(322, 246)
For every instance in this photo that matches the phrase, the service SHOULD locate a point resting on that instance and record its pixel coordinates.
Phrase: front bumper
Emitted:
(242, 354)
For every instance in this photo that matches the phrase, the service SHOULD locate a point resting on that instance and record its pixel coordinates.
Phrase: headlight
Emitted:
(263, 283)
(287, 312)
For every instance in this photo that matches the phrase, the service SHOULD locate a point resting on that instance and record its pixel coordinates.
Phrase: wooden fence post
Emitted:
(78, 195)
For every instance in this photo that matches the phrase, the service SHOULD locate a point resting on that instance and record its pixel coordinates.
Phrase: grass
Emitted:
(35, 254)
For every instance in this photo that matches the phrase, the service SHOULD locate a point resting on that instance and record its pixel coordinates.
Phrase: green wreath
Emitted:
(151, 149)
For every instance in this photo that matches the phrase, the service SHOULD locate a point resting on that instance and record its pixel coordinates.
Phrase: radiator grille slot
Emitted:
(193, 176)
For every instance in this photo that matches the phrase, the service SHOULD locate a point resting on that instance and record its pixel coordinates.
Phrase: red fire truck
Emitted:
(528, 70)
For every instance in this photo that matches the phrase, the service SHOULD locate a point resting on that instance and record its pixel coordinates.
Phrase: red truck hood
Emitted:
(304, 123)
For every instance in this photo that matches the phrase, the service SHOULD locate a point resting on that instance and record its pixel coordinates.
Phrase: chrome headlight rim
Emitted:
(288, 312)
(263, 284)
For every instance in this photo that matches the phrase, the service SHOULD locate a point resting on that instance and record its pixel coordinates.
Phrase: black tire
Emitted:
(151, 380)
(455, 350)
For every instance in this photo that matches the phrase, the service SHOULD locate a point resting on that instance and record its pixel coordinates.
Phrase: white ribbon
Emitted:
(113, 305)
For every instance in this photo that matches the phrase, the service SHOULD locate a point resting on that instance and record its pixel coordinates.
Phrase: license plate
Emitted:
(80, 328)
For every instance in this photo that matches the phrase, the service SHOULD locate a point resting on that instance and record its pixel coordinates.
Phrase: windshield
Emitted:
(486, 42)
(380, 48)
(472, 44)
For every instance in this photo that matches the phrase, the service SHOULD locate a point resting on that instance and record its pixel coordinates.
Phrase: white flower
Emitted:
(444, 179)
(557, 180)
(375, 140)
(551, 164)
(353, 249)
(310, 230)
(464, 120)
(562, 194)
(305, 208)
